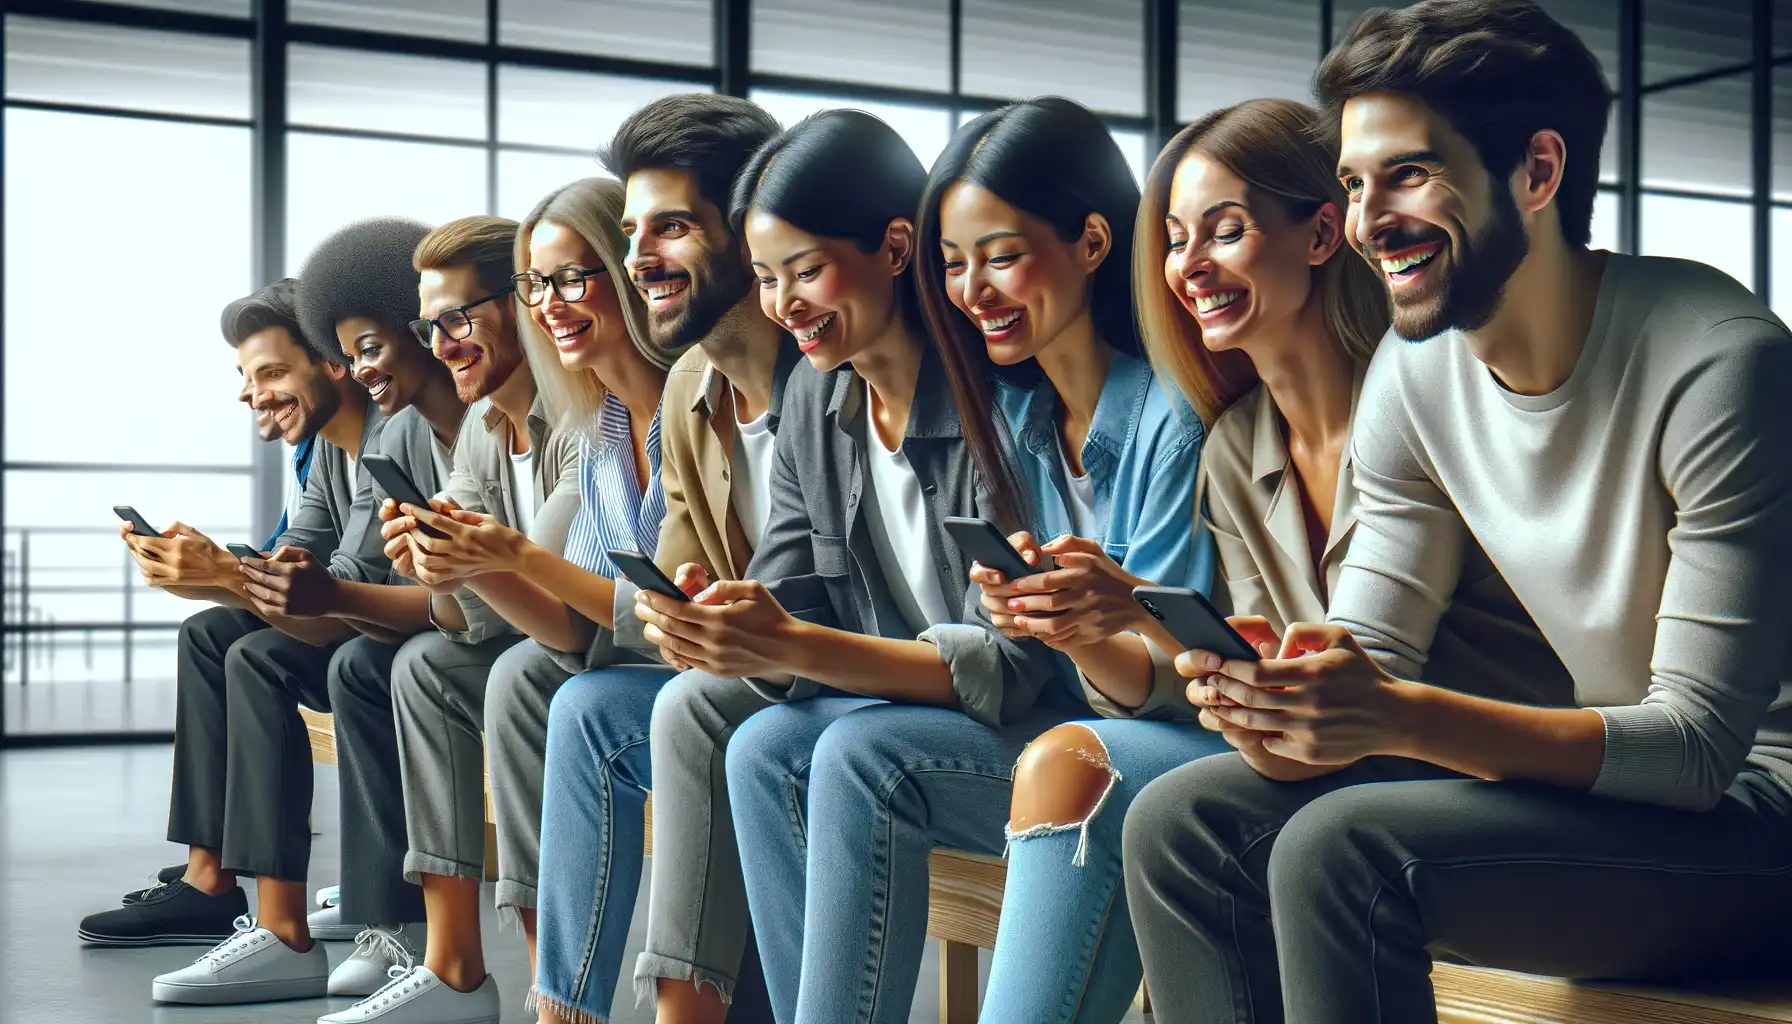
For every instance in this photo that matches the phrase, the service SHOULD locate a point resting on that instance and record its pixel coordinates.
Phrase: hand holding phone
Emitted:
(398, 484)
(242, 551)
(986, 546)
(1194, 622)
(641, 571)
(139, 525)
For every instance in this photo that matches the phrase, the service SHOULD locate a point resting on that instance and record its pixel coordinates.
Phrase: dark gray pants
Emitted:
(242, 758)
(374, 890)
(1326, 901)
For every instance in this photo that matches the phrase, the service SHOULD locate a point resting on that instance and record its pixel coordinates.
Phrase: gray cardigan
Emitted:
(817, 556)
(336, 520)
(410, 441)
(481, 482)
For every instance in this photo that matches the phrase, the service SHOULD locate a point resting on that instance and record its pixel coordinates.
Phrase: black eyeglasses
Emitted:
(456, 323)
(568, 282)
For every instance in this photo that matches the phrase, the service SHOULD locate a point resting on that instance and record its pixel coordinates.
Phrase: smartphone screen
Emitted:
(979, 539)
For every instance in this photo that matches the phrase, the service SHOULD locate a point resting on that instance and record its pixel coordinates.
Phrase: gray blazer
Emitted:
(336, 520)
(481, 482)
(817, 556)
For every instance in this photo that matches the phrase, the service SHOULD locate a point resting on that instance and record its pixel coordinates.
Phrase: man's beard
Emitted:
(500, 362)
(318, 406)
(1474, 284)
(716, 286)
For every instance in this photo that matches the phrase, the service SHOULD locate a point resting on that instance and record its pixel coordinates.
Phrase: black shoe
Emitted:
(175, 914)
(168, 874)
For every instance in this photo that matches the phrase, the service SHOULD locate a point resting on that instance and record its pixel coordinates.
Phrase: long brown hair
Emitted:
(1275, 147)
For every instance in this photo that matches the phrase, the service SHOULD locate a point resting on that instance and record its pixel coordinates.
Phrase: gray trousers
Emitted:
(444, 695)
(374, 889)
(438, 702)
(242, 757)
(697, 920)
(1327, 900)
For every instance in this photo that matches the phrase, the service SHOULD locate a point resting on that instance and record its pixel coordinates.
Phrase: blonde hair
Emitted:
(1275, 147)
(593, 208)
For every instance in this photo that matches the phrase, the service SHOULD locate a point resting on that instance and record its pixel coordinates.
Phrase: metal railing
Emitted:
(30, 627)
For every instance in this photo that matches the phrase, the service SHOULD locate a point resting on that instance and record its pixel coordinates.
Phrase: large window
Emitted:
(140, 126)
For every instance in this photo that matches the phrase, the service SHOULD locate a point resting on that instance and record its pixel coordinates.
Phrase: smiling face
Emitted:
(387, 362)
(285, 384)
(585, 330)
(834, 298)
(485, 359)
(1237, 261)
(1444, 234)
(265, 428)
(681, 256)
(1008, 271)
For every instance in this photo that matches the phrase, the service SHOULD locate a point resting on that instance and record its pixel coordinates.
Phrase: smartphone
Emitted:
(139, 525)
(399, 486)
(641, 571)
(980, 539)
(242, 551)
(1194, 622)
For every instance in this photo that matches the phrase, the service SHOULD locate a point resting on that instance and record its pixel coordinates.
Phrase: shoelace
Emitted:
(155, 890)
(245, 927)
(391, 990)
(384, 942)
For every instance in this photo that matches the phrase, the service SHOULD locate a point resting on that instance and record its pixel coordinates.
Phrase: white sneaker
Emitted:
(377, 951)
(329, 896)
(417, 996)
(327, 925)
(251, 966)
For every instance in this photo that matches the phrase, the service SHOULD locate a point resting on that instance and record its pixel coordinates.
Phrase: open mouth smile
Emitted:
(1213, 304)
(380, 386)
(665, 294)
(1000, 326)
(808, 335)
(1405, 267)
(568, 335)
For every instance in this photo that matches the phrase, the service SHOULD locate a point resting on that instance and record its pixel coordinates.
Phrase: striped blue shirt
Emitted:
(613, 513)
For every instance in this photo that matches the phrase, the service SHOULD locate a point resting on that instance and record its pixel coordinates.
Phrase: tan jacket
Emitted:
(697, 435)
(1486, 643)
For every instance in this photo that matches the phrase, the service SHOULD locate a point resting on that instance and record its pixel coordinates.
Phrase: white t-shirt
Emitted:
(1082, 499)
(522, 479)
(443, 457)
(751, 483)
(898, 521)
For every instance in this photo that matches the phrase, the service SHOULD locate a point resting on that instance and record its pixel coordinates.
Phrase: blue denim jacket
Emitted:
(1141, 454)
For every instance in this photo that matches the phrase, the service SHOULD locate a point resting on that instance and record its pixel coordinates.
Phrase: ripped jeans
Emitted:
(837, 803)
(1065, 952)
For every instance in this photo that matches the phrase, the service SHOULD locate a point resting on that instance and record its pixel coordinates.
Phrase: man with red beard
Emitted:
(509, 463)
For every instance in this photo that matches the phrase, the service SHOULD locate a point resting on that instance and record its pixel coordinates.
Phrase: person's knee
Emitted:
(354, 668)
(416, 680)
(507, 686)
(576, 704)
(1060, 780)
(683, 712)
(1325, 845)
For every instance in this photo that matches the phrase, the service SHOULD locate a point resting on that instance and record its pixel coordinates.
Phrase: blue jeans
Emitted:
(837, 803)
(1065, 952)
(595, 792)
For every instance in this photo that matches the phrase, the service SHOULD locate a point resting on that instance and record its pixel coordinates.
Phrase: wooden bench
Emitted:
(965, 901)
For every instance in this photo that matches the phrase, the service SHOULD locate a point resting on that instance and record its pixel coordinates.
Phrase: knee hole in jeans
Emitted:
(1060, 784)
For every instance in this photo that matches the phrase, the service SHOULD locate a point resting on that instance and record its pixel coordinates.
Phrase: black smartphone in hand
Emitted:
(242, 551)
(399, 486)
(139, 525)
(641, 571)
(986, 546)
(1194, 622)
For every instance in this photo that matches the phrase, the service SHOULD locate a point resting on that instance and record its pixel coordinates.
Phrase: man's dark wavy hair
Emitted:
(274, 305)
(706, 135)
(1499, 70)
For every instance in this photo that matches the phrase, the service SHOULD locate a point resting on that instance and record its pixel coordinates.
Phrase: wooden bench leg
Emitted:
(958, 983)
(491, 852)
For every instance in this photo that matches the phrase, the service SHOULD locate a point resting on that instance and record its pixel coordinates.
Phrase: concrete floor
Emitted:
(81, 826)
